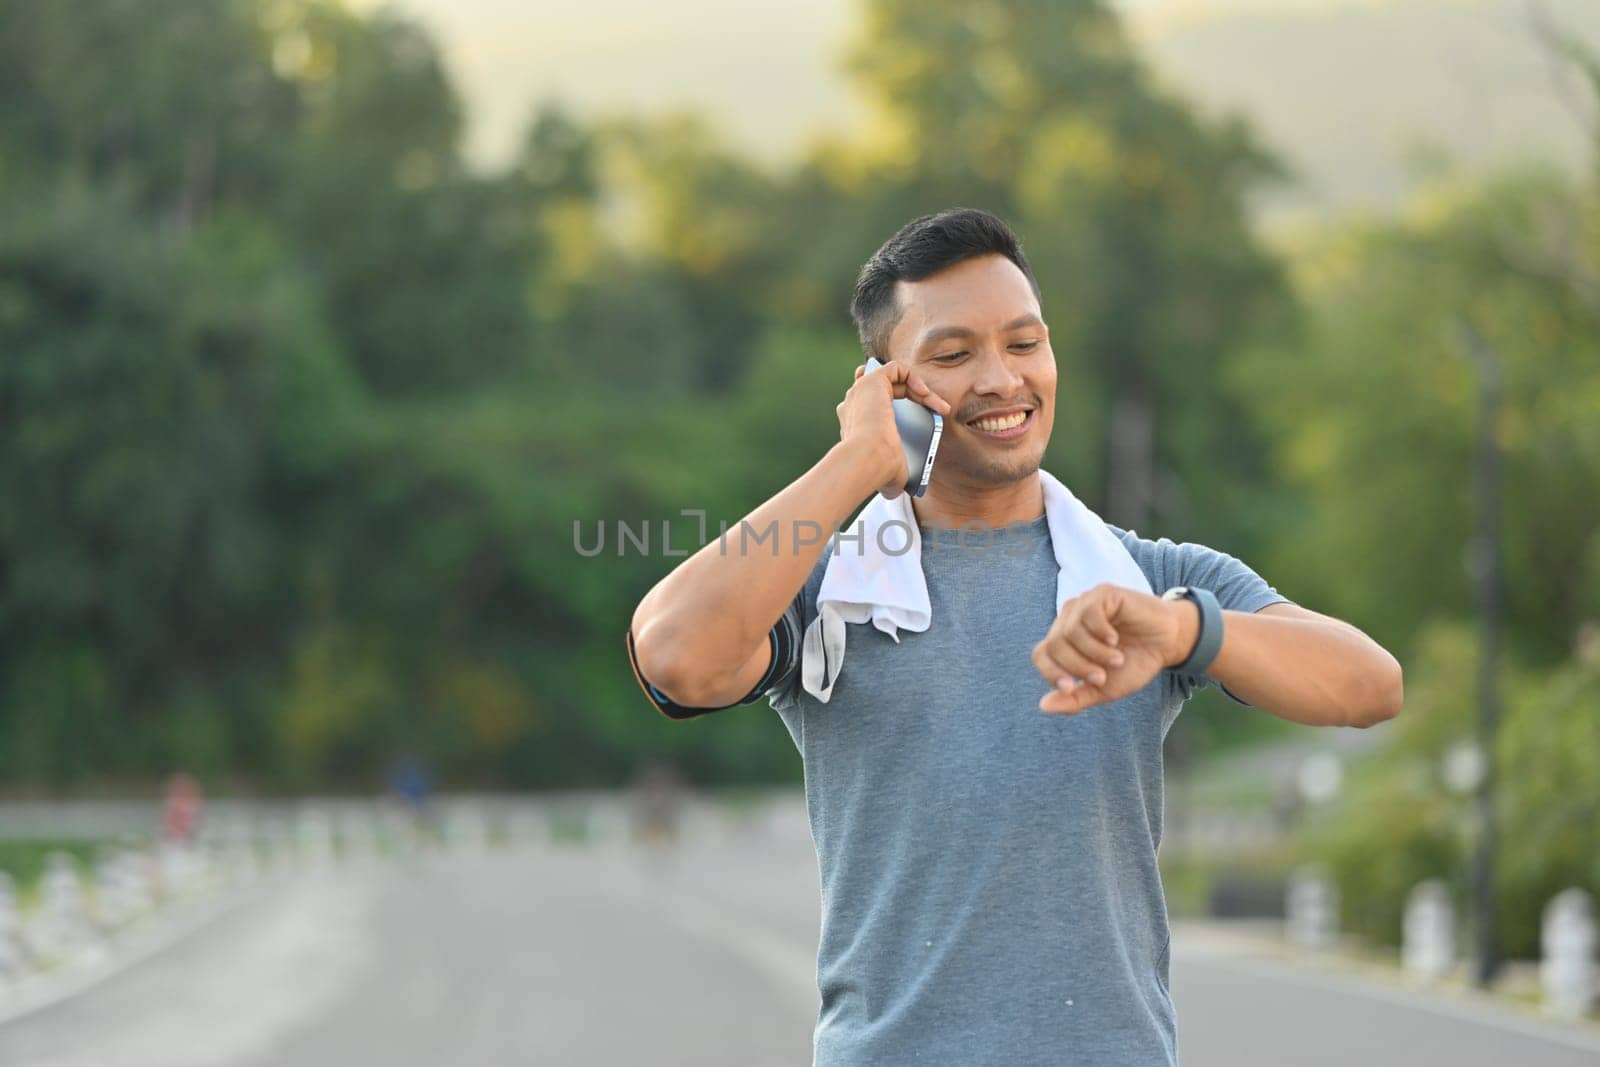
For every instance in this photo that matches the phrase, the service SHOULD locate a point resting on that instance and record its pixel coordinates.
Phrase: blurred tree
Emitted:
(422, 267)
(153, 401)
(1399, 822)
(1132, 210)
(1375, 425)
(172, 102)
(296, 412)
(1372, 414)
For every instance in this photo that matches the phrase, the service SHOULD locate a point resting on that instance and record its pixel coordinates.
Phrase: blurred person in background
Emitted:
(987, 855)
(182, 810)
(657, 803)
(412, 786)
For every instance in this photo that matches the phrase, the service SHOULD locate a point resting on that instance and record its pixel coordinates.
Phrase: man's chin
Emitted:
(1014, 470)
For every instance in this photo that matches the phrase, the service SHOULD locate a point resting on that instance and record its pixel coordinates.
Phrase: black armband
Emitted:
(782, 643)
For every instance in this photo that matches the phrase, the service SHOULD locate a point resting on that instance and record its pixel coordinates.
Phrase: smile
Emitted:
(1003, 427)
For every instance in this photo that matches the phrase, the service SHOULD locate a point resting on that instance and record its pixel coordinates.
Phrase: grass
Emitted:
(24, 859)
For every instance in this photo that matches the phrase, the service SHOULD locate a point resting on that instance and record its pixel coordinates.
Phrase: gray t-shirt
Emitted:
(989, 884)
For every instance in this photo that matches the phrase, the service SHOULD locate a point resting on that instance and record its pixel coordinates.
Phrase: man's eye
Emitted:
(949, 357)
(1026, 346)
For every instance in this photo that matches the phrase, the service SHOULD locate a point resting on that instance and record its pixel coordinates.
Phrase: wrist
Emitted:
(869, 469)
(1186, 631)
(855, 468)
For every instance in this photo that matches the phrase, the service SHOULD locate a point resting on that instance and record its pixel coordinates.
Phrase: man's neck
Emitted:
(961, 507)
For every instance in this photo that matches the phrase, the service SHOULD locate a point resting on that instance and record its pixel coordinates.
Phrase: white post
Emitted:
(1567, 970)
(138, 868)
(359, 836)
(467, 827)
(278, 844)
(241, 863)
(177, 869)
(228, 839)
(113, 905)
(13, 960)
(316, 838)
(1313, 908)
(608, 821)
(1428, 949)
(62, 928)
(525, 826)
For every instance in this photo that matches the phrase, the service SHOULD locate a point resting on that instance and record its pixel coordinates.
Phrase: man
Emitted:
(986, 842)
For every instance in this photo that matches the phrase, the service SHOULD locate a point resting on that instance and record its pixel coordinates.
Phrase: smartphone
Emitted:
(920, 428)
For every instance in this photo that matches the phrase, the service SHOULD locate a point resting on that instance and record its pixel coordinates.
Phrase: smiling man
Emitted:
(984, 779)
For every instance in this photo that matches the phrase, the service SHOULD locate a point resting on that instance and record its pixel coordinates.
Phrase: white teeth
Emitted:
(1007, 423)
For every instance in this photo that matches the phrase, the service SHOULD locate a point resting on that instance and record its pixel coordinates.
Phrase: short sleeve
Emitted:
(1236, 586)
(783, 688)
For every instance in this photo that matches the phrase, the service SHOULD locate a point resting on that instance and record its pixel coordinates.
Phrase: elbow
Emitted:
(1382, 697)
(660, 659)
(654, 661)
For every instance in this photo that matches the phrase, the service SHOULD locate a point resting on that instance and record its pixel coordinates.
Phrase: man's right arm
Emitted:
(703, 636)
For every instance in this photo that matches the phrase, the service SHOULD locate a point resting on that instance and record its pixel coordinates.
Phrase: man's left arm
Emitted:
(1287, 660)
(1296, 663)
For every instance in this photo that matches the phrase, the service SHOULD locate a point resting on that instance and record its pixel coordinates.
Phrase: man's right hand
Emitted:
(701, 635)
(866, 420)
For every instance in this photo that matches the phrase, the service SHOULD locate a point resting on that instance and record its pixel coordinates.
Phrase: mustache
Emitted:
(1019, 403)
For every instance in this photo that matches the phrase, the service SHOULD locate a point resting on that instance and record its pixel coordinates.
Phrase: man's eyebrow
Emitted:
(942, 333)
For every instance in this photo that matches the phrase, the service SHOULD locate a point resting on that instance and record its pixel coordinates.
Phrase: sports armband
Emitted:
(784, 644)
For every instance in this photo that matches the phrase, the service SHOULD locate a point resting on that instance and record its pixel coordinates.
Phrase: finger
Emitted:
(1051, 655)
(1058, 703)
(905, 382)
(1092, 648)
(1057, 659)
(1098, 621)
(926, 396)
(861, 368)
(1063, 702)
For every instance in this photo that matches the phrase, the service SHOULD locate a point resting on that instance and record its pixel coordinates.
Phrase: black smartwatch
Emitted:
(1209, 641)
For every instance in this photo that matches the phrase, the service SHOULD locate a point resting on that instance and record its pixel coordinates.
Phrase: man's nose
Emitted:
(997, 374)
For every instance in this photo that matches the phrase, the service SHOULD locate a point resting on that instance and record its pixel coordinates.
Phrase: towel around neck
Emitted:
(875, 575)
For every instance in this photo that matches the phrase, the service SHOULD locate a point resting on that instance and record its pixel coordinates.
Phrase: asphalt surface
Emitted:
(619, 955)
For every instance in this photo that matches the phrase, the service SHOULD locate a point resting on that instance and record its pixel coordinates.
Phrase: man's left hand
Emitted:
(1108, 642)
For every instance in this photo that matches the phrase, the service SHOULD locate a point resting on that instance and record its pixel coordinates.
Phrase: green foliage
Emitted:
(1375, 423)
(24, 859)
(297, 414)
(1550, 802)
(1398, 822)
(144, 396)
(1390, 300)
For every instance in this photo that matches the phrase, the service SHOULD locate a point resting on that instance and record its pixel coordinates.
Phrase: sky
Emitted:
(767, 70)
(1345, 89)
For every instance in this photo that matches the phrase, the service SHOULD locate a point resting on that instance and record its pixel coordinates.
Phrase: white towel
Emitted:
(866, 580)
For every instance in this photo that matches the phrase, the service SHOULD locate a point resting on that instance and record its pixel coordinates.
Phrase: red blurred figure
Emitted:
(180, 818)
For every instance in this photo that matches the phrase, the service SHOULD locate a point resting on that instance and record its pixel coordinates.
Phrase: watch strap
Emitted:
(1209, 640)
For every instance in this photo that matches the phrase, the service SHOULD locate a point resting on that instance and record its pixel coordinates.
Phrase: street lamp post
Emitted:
(1485, 565)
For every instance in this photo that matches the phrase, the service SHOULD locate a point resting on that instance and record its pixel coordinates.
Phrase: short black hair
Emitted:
(923, 247)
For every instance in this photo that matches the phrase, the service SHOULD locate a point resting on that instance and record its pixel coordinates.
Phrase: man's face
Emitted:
(975, 334)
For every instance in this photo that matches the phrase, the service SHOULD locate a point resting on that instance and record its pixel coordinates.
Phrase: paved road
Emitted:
(606, 956)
